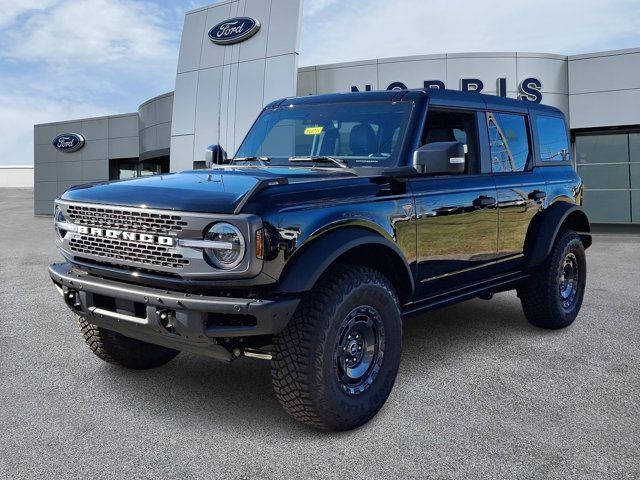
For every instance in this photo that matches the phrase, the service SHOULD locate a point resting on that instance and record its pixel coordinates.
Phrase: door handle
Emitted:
(537, 195)
(484, 201)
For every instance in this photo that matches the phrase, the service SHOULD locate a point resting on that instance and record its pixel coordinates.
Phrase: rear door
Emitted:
(520, 186)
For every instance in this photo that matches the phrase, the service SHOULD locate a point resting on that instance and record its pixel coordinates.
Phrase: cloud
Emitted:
(86, 32)
(20, 112)
(68, 59)
(379, 28)
(313, 7)
(10, 10)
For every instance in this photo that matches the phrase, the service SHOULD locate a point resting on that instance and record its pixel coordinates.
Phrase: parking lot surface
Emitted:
(480, 392)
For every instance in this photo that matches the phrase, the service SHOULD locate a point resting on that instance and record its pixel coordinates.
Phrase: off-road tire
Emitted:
(304, 370)
(117, 349)
(541, 296)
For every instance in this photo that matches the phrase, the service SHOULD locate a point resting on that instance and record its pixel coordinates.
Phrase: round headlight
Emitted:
(58, 218)
(232, 246)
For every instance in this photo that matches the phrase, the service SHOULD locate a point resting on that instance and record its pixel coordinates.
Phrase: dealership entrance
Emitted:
(124, 168)
(609, 164)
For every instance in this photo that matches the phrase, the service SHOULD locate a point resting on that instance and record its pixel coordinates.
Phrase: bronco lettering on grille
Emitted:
(131, 236)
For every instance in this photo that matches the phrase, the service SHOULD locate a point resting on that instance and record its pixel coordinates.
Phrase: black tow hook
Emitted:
(72, 298)
(167, 319)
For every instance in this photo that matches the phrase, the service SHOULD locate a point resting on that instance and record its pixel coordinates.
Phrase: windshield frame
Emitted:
(401, 144)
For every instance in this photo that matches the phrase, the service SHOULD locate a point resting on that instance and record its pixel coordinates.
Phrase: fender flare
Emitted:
(544, 229)
(303, 271)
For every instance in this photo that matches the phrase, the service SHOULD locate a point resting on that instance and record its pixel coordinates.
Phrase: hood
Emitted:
(219, 190)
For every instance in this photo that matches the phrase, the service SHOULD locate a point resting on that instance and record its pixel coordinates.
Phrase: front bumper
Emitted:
(181, 321)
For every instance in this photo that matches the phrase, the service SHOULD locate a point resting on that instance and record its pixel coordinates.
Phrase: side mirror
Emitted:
(440, 157)
(215, 155)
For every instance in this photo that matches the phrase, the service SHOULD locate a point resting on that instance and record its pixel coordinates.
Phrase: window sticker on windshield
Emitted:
(313, 130)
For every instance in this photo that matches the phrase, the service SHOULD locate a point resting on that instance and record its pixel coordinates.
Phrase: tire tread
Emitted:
(117, 349)
(296, 363)
(538, 298)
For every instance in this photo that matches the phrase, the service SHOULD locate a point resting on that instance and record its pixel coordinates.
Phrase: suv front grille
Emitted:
(145, 241)
(112, 250)
(125, 219)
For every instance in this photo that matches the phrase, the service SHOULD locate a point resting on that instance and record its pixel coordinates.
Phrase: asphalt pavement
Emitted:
(480, 392)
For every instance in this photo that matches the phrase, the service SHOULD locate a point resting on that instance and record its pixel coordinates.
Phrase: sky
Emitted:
(68, 59)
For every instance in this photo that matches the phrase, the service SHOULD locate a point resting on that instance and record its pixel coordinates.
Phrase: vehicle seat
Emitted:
(362, 140)
(330, 143)
(440, 135)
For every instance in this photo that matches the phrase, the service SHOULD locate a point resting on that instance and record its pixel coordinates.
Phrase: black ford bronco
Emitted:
(339, 216)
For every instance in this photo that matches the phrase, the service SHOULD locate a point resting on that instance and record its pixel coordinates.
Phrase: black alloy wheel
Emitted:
(359, 349)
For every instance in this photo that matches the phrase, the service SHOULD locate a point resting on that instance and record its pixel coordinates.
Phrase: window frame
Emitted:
(533, 116)
(480, 147)
(532, 156)
(402, 150)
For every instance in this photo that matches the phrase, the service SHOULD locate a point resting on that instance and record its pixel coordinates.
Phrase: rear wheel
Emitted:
(553, 295)
(115, 348)
(335, 363)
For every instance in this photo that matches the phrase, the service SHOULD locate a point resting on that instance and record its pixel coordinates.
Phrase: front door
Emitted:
(457, 218)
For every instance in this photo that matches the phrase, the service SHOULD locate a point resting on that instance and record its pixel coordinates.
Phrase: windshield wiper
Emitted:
(320, 159)
(261, 160)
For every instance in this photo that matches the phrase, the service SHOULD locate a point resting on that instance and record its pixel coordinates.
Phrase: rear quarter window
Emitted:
(552, 136)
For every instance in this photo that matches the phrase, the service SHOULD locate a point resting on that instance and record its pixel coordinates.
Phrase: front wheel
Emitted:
(335, 363)
(117, 349)
(552, 297)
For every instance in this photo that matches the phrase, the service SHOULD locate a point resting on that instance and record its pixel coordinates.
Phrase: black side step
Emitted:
(492, 285)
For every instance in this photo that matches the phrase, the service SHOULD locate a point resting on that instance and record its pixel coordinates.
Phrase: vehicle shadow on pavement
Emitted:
(440, 334)
(195, 389)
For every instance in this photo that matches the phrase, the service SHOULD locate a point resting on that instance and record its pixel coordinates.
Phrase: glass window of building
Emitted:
(609, 165)
(634, 172)
(123, 168)
(608, 148)
(634, 166)
(154, 166)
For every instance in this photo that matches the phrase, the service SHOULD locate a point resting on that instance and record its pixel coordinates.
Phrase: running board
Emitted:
(492, 285)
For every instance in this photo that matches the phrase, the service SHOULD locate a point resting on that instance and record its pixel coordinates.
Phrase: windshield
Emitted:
(360, 134)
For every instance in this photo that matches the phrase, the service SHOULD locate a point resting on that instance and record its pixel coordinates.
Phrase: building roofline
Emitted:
(211, 5)
(158, 97)
(607, 53)
(436, 56)
(486, 101)
(86, 119)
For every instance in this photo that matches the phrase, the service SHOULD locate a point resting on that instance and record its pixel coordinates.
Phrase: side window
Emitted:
(552, 134)
(454, 126)
(509, 142)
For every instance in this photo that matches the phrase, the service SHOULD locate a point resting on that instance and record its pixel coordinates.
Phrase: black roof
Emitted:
(443, 97)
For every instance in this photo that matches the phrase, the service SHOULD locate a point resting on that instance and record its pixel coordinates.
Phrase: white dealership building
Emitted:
(238, 55)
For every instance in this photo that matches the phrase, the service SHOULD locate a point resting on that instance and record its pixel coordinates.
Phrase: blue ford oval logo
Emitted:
(234, 30)
(68, 142)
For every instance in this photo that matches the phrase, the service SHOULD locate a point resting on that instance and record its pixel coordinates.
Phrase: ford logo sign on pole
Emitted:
(68, 142)
(234, 30)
